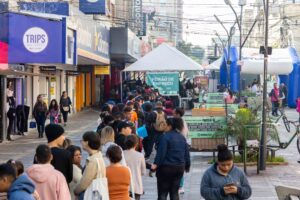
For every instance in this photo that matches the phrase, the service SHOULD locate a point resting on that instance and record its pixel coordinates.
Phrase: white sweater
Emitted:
(136, 162)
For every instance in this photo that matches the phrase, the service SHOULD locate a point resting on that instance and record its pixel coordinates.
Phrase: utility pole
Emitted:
(263, 141)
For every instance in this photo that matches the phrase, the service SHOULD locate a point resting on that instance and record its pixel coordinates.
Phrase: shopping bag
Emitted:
(142, 132)
(98, 189)
(32, 124)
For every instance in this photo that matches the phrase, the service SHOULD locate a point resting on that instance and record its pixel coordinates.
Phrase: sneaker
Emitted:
(181, 191)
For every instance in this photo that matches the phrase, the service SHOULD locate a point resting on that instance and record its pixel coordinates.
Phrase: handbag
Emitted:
(66, 108)
(98, 189)
(142, 132)
(32, 124)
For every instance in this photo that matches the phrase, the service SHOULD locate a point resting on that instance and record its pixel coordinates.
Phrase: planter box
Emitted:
(208, 113)
(206, 144)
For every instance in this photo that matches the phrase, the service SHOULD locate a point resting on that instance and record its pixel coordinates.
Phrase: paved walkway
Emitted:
(262, 184)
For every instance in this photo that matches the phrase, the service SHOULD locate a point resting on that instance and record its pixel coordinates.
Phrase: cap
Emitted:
(53, 131)
(122, 125)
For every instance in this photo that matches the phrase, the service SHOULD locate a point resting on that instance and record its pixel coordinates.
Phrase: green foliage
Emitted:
(245, 124)
(247, 94)
(239, 159)
(194, 52)
(276, 159)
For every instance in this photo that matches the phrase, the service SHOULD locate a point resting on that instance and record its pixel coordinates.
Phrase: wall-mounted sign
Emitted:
(92, 38)
(102, 70)
(58, 8)
(139, 21)
(72, 73)
(34, 39)
(166, 82)
(92, 6)
(48, 69)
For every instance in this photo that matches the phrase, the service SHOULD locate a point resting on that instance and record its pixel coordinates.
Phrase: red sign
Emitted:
(3, 52)
(201, 81)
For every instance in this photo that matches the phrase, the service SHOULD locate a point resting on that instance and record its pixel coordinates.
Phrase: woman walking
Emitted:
(40, 113)
(223, 180)
(53, 112)
(65, 103)
(171, 160)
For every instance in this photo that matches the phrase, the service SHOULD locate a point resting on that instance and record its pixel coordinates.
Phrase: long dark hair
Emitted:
(136, 107)
(55, 107)
(230, 93)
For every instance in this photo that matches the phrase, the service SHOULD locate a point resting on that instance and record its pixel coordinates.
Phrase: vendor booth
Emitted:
(163, 62)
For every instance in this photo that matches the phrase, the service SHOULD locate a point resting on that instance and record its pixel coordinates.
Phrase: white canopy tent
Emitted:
(164, 58)
(280, 62)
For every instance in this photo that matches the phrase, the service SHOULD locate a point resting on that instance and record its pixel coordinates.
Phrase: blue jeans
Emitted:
(275, 105)
(40, 123)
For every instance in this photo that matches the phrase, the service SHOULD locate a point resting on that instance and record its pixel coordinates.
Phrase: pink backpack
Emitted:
(298, 104)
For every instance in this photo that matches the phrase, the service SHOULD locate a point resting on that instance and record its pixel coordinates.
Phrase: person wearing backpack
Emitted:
(160, 124)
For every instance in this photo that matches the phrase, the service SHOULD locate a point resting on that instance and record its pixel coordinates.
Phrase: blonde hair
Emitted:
(107, 135)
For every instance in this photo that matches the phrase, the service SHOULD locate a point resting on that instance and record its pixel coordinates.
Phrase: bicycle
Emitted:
(284, 119)
(276, 138)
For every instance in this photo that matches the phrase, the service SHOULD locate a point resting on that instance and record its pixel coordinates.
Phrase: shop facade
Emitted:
(93, 52)
(32, 46)
(125, 49)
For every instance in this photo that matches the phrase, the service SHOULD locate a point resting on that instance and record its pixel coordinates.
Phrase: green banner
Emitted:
(206, 127)
(166, 82)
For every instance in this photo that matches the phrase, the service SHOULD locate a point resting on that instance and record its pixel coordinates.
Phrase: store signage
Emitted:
(47, 69)
(35, 40)
(102, 70)
(206, 127)
(139, 18)
(3, 6)
(166, 82)
(201, 81)
(92, 6)
(72, 73)
(58, 8)
(93, 37)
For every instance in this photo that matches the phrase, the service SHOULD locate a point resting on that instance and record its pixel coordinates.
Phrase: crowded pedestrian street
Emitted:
(263, 184)
(149, 100)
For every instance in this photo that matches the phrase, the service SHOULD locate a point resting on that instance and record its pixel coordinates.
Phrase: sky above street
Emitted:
(199, 23)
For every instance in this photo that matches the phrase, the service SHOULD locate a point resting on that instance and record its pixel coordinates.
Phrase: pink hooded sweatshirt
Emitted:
(50, 183)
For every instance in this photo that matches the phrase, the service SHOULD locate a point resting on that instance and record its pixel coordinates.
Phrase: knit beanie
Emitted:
(53, 131)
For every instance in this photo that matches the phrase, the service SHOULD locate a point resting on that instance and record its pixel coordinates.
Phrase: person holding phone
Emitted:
(223, 180)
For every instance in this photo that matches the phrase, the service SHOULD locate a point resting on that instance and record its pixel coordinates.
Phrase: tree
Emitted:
(194, 52)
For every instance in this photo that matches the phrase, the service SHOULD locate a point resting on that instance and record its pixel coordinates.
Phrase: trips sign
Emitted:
(35, 40)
